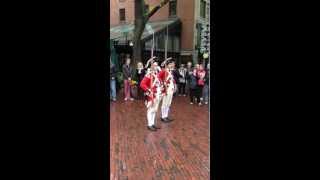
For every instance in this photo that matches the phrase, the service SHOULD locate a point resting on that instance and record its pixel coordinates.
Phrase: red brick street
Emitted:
(179, 150)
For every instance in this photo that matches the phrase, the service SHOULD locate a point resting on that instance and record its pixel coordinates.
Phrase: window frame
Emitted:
(203, 6)
(124, 15)
(170, 8)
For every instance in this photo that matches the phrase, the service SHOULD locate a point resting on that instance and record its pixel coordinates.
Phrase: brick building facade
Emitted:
(191, 13)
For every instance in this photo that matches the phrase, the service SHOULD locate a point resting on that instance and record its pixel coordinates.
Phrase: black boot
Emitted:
(156, 127)
(151, 128)
(169, 120)
(164, 120)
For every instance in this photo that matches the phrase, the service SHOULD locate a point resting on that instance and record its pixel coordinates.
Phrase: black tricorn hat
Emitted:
(156, 59)
(170, 61)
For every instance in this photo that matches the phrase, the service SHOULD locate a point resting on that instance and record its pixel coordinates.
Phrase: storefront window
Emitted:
(202, 8)
(122, 13)
(173, 8)
(161, 41)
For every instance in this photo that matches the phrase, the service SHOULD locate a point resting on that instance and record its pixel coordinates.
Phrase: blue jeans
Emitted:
(113, 88)
(205, 93)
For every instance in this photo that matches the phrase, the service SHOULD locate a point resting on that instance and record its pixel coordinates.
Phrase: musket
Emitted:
(163, 63)
(149, 60)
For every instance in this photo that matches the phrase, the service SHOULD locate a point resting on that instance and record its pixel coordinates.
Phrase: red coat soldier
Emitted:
(152, 87)
(169, 85)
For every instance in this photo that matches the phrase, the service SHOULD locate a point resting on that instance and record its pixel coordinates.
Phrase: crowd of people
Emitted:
(192, 80)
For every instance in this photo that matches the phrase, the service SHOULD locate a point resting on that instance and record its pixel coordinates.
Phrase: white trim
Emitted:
(186, 53)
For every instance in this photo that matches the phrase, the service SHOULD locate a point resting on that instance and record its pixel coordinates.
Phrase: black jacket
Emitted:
(113, 72)
(189, 74)
(193, 81)
(140, 75)
(176, 75)
(206, 77)
(127, 71)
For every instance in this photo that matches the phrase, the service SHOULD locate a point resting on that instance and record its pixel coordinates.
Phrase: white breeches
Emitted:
(152, 109)
(166, 102)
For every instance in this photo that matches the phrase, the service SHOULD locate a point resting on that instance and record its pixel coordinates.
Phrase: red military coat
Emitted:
(166, 79)
(152, 84)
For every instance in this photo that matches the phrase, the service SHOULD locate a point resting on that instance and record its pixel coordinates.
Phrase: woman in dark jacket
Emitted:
(182, 80)
(176, 75)
(193, 87)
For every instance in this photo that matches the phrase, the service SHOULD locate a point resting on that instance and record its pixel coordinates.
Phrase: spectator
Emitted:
(113, 75)
(182, 80)
(193, 87)
(206, 86)
(200, 82)
(140, 72)
(176, 75)
(188, 74)
(127, 76)
(197, 66)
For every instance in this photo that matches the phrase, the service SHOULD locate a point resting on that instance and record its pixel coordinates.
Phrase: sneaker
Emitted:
(191, 102)
(179, 95)
(184, 95)
(114, 99)
(205, 102)
(200, 104)
(125, 99)
(131, 99)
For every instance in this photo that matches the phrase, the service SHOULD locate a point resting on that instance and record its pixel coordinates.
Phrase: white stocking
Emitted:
(163, 112)
(149, 116)
(154, 118)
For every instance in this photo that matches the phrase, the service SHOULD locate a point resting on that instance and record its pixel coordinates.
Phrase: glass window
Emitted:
(122, 13)
(208, 12)
(202, 8)
(161, 41)
(173, 8)
(170, 43)
(198, 35)
(148, 44)
(176, 45)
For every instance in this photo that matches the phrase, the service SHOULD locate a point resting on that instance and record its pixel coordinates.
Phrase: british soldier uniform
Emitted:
(170, 87)
(152, 87)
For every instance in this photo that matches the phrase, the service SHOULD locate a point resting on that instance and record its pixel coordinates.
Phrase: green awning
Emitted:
(125, 32)
(113, 55)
